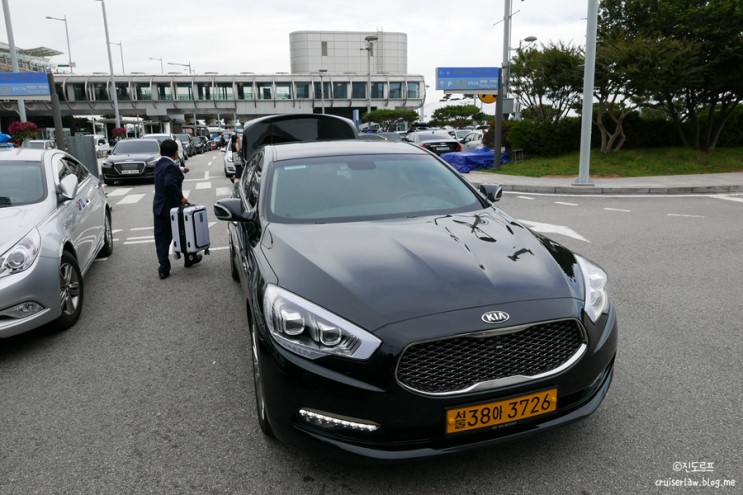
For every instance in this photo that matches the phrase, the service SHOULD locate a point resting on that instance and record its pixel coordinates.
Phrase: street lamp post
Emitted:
(111, 66)
(182, 65)
(162, 70)
(13, 56)
(121, 51)
(370, 40)
(322, 88)
(67, 33)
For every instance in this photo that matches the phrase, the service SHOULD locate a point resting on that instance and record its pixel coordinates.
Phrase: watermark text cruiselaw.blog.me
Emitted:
(695, 474)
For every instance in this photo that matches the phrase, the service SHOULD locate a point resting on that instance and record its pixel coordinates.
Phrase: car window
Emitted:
(21, 183)
(130, 147)
(250, 184)
(364, 187)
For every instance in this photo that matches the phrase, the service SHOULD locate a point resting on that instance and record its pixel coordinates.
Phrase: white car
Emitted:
(472, 141)
(55, 220)
(39, 144)
(182, 155)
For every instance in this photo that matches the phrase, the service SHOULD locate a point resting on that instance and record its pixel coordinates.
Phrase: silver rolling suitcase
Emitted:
(190, 226)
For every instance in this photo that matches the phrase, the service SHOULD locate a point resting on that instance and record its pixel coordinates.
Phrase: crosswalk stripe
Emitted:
(122, 191)
(130, 199)
(204, 185)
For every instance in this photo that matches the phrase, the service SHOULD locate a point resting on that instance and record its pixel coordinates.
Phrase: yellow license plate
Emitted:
(496, 413)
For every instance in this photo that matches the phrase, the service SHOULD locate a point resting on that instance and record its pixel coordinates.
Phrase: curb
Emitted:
(578, 190)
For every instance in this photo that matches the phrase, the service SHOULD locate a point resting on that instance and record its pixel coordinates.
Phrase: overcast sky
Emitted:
(250, 35)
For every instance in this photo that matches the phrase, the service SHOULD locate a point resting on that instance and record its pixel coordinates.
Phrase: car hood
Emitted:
(17, 221)
(375, 273)
(140, 157)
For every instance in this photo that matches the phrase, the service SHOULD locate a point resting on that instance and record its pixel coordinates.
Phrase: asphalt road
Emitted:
(151, 392)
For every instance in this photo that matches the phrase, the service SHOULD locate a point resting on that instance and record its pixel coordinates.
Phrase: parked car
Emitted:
(394, 312)
(131, 159)
(391, 136)
(371, 136)
(199, 143)
(101, 145)
(188, 146)
(459, 134)
(39, 144)
(438, 142)
(55, 220)
(182, 156)
(472, 141)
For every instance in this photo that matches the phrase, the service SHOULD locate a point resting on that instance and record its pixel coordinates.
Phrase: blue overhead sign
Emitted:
(24, 85)
(467, 79)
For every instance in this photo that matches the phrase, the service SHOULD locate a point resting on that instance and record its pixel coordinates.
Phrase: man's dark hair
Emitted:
(168, 148)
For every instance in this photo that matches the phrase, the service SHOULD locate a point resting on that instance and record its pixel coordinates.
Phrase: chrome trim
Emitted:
(500, 382)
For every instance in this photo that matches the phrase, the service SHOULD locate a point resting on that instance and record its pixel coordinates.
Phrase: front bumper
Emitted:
(129, 171)
(39, 284)
(413, 425)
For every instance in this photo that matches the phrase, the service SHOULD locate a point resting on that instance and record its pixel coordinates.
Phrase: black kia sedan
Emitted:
(396, 313)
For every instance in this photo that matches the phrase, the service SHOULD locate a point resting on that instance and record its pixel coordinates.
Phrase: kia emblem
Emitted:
(495, 317)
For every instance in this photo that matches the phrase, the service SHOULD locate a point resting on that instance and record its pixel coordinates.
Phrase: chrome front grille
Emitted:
(489, 359)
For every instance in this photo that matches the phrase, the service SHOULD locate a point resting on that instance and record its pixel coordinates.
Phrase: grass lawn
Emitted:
(633, 163)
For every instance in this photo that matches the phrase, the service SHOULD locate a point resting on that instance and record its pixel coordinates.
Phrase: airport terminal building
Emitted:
(336, 71)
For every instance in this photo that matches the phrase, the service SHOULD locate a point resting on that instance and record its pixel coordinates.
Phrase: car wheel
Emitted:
(108, 238)
(70, 292)
(233, 268)
(260, 400)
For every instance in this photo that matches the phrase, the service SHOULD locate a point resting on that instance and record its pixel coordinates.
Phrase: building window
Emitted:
(164, 91)
(414, 90)
(326, 89)
(265, 91)
(377, 90)
(224, 92)
(204, 90)
(184, 91)
(77, 91)
(396, 90)
(340, 90)
(358, 90)
(60, 92)
(122, 92)
(100, 91)
(142, 91)
(303, 90)
(283, 91)
(245, 91)
(324, 48)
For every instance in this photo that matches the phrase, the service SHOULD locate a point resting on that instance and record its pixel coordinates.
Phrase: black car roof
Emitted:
(316, 149)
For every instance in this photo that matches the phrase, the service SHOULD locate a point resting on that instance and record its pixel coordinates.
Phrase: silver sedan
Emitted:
(55, 220)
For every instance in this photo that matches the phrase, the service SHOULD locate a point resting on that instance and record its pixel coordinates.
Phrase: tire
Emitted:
(260, 401)
(108, 238)
(233, 268)
(70, 292)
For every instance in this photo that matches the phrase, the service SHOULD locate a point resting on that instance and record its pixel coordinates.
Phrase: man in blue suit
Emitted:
(168, 194)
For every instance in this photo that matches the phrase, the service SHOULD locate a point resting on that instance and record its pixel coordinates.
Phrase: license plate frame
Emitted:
(127, 171)
(474, 417)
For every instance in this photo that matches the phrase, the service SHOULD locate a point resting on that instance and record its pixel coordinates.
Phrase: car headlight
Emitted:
(311, 331)
(107, 163)
(228, 157)
(595, 280)
(21, 256)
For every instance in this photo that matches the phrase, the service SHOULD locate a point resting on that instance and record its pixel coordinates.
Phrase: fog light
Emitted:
(23, 310)
(325, 420)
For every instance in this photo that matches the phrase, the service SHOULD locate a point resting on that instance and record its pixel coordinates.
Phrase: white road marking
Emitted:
(139, 242)
(204, 185)
(130, 199)
(727, 198)
(139, 238)
(686, 216)
(565, 204)
(142, 228)
(524, 197)
(220, 248)
(206, 175)
(223, 191)
(547, 228)
(617, 209)
(116, 231)
(122, 191)
(212, 224)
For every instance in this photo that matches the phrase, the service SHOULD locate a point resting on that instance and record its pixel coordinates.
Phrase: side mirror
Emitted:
(231, 210)
(68, 187)
(491, 191)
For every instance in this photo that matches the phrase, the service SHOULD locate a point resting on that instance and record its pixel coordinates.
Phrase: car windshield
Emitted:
(182, 137)
(133, 147)
(365, 187)
(21, 183)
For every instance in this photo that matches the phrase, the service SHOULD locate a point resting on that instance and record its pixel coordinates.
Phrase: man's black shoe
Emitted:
(164, 275)
(192, 260)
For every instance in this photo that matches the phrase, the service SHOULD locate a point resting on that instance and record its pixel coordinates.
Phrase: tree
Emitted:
(457, 116)
(700, 101)
(548, 81)
(388, 119)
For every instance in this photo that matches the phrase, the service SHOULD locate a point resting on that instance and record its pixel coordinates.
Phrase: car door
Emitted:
(249, 193)
(84, 212)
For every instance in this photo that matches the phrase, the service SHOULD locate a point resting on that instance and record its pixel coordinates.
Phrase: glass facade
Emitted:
(283, 91)
(340, 90)
(122, 92)
(184, 91)
(395, 90)
(303, 90)
(142, 91)
(265, 91)
(204, 91)
(414, 90)
(358, 90)
(245, 91)
(164, 91)
(377, 90)
(100, 91)
(224, 91)
(325, 88)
